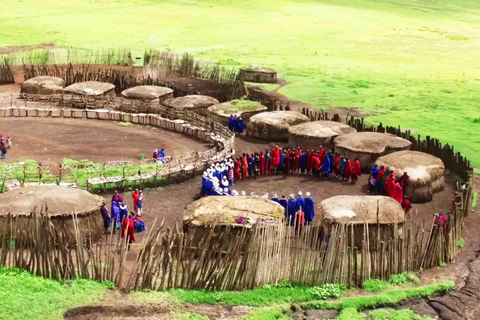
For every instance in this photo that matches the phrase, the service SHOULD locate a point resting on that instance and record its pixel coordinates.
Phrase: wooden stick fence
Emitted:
(6, 73)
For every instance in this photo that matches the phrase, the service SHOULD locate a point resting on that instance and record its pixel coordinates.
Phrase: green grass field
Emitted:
(411, 63)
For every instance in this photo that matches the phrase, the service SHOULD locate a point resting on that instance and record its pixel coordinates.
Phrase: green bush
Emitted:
(326, 291)
(350, 314)
(461, 242)
(375, 285)
(405, 277)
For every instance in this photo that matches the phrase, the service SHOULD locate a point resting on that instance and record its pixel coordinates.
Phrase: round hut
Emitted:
(258, 74)
(360, 210)
(311, 135)
(60, 203)
(238, 212)
(273, 126)
(195, 103)
(368, 146)
(426, 173)
(43, 85)
(151, 96)
(241, 108)
(91, 88)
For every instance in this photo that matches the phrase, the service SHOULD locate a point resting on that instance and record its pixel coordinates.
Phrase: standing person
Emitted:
(135, 195)
(234, 124)
(123, 212)
(115, 215)
(309, 161)
(251, 163)
(128, 229)
(155, 155)
(298, 155)
(303, 162)
(105, 217)
(161, 154)
(309, 209)
(342, 167)
(286, 163)
(268, 162)
(406, 205)
(381, 172)
(299, 222)
(236, 168)
(275, 157)
(317, 164)
(397, 192)
(321, 154)
(384, 179)
(4, 152)
(244, 166)
(280, 162)
(314, 164)
(291, 208)
(230, 174)
(300, 202)
(337, 162)
(116, 197)
(327, 165)
(356, 170)
(139, 204)
(372, 182)
(404, 182)
(206, 185)
(230, 123)
(240, 125)
(348, 168)
(390, 184)
(291, 157)
(262, 163)
(9, 143)
(275, 198)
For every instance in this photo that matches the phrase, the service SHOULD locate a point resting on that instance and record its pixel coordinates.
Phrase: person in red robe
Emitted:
(321, 154)
(128, 230)
(406, 205)
(135, 196)
(236, 169)
(298, 154)
(348, 169)
(337, 162)
(262, 163)
(286, 163)
(388, 184)
(356, 170)
(378, 185)
(244, 167)
(275, 160)
(404, 181)
(309, 161)
(291, 157)
(318, 165)
(397, 192)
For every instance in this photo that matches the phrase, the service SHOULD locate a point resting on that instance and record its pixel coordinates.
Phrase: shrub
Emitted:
(461, 242)
(442, 264)
(375, 285)
(350, 314)
(327, 291)
(399, 279)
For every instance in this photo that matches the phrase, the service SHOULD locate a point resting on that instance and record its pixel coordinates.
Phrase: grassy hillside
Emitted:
(409, 63)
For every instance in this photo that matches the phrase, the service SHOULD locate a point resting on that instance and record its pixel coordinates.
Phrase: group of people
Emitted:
(120, 217)
(290, 161)
(217, 179)
(384, 181)
(6, 143)
(158, 155)
(236, 124)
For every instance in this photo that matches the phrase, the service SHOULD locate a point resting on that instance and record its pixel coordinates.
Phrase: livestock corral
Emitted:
(82, 132)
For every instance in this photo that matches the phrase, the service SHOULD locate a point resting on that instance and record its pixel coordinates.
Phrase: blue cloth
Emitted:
(342, 166)
(291, 209)
(309, 209)
(230, 123)
(115, 213)
(373, 176)
(139, 225)
(284, 204)
(303, 162)
(300, 204)
(206, 185)
(280, 166)
(239, 126)
(161, 154)
(267, 160)
(124, 212)
(327, 166)
(276, 199)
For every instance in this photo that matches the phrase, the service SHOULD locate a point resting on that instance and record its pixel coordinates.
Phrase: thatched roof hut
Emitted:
(368, 146)
(43, 85)
(273, 126)
(258, 74)
(426, 172)
(60, 203)
(195, 103)
(151, 93)
(241, 108)
(312, 135)
(360, 210)
(91, 88)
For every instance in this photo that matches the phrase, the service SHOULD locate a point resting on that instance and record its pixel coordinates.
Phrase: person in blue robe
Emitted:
(267, 161)
(123, 211)
(161, 154)
(283, 202)
(206, 185)
(280, 165)
(342, 167)
(275, 198)
(230, 123)
(327, 165)
(303, 162)
(300, 202)
(241, 125)
(235, 124)
(251, 164)
(373, 178)
(115, 215)
(309, 209)
(291, 209)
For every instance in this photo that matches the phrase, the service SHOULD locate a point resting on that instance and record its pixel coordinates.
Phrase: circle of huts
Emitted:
(273, 126)
(426, 172)
(312, 135)
(195, 103)
(61, 204)
(360, 210)
(43, 85)
(368, 146)
(241, 108)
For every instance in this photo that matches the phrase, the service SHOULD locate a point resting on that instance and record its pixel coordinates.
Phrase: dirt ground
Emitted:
(49, 140)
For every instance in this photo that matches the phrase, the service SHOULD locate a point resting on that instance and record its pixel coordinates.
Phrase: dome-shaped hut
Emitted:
(368, 146)
(43, 85)
(273, 126)
(311, 135)
(360, 210)
(258, 74)
(241, 108)
(91, 88)
(195, 103)
(426, 173)
(144, 99)
(60, 203)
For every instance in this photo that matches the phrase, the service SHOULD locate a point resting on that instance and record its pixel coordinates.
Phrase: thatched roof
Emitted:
(190, 101)
(236, 107)
(361, 209)
(61, 201)
(371, 142)
(90, 88)
(257, 69)
(279, 119)
(321, 129)
(224, 210)
(43, 85)
(421, 167)
(146, 92)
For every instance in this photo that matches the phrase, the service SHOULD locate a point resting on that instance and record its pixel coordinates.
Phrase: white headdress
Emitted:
(300, 193)
(308, 194)
(244, 193)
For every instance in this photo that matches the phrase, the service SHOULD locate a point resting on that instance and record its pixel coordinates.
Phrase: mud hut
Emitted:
(368, 146)
(258, 74)
(237, 212)
(60, 203)
(273, 126)
(195, 103)
(360, 210)
(43, 85)
(91, 88)
(426, 172)
(311, 135)
(144, 99)
(241, 108)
